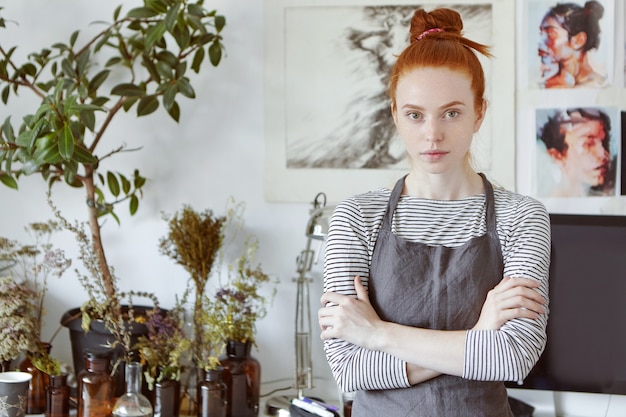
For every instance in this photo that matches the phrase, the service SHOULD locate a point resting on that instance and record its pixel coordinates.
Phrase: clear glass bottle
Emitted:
(133, 403)
(95, 384)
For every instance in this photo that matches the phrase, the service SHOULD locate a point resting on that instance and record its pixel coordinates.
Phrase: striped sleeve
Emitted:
(347, 255)
(510, 353)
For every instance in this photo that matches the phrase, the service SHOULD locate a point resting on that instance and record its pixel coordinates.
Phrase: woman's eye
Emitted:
(452, 113)
(414, 116)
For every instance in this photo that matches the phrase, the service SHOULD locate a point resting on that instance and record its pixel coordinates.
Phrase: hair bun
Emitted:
(439, 20)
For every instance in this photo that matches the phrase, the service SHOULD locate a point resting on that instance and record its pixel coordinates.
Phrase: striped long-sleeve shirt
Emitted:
(523, 226)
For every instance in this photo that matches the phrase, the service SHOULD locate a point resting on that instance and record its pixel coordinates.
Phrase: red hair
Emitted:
(437, 41)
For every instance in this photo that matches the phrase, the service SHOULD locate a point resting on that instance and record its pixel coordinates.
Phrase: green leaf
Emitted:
(125, 184)
(129, 102)
(169, 96)
(138, 180)
(70, 170)
(220, 22)
(83, 156)
(7, 128)
(170, 18)
(185, 88)
(68, 70)
(73, 38)
(24, 139)
(147, 62)
(142, 13)
(10, 182)
(174, 112)
(147, 105)
(97, 81)
(134, 204)
(66, 144)
(5, 94)
(128, 90)
(198, 58)
(88, 118)
(114, 185)
(155, 34)
(215, 53)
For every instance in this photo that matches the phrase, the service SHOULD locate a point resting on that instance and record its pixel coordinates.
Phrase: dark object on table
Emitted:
(520, 408)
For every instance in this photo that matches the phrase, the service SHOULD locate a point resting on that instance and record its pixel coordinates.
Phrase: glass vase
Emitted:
(212, 401)
(57, 397)
(36, 402)
(242, 376)
(133, 402)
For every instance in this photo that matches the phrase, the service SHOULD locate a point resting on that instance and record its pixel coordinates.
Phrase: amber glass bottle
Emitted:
(58, 397)
(36, 402)
(95, 385)
(242, 376)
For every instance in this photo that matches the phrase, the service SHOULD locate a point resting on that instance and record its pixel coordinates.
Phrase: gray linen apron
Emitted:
(441, 288)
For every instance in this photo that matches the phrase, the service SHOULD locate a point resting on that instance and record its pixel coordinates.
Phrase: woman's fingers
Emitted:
(512, 298)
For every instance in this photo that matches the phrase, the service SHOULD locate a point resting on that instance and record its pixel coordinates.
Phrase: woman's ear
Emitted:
(394, 112)
(480, 115)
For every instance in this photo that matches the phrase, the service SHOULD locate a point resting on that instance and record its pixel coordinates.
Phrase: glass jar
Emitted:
(95, 384)
(133, 402)
(212, 394)
(57, 396)
(242, 375)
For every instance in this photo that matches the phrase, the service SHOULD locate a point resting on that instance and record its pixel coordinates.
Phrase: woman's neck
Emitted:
(443, 186)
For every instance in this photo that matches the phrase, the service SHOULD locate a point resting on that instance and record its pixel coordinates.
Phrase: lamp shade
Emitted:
(317, 226)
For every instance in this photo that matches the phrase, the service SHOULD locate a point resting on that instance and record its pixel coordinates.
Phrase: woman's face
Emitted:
(585, 161)
(435, 115)
(554, 45)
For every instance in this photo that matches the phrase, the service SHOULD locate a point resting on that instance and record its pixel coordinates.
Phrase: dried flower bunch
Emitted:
(240, 303)
(32, 264)
(163, 348)
(193, 241)
(198, 240)
(18, 328)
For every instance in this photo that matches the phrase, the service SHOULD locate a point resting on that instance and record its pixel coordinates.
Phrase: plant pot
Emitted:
(99, 336)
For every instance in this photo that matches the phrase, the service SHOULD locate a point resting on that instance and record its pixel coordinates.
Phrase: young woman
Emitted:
(435, 288)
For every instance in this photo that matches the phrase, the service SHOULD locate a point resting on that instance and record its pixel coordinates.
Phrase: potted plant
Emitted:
(138, 62)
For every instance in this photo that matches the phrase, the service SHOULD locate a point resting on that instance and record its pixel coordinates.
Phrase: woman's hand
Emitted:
(512, 298)
(351, 319)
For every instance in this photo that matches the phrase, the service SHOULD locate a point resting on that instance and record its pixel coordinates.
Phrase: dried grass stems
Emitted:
(101, 304)
(193, 241)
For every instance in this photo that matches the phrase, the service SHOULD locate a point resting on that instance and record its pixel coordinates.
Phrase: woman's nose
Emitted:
(433, 131)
